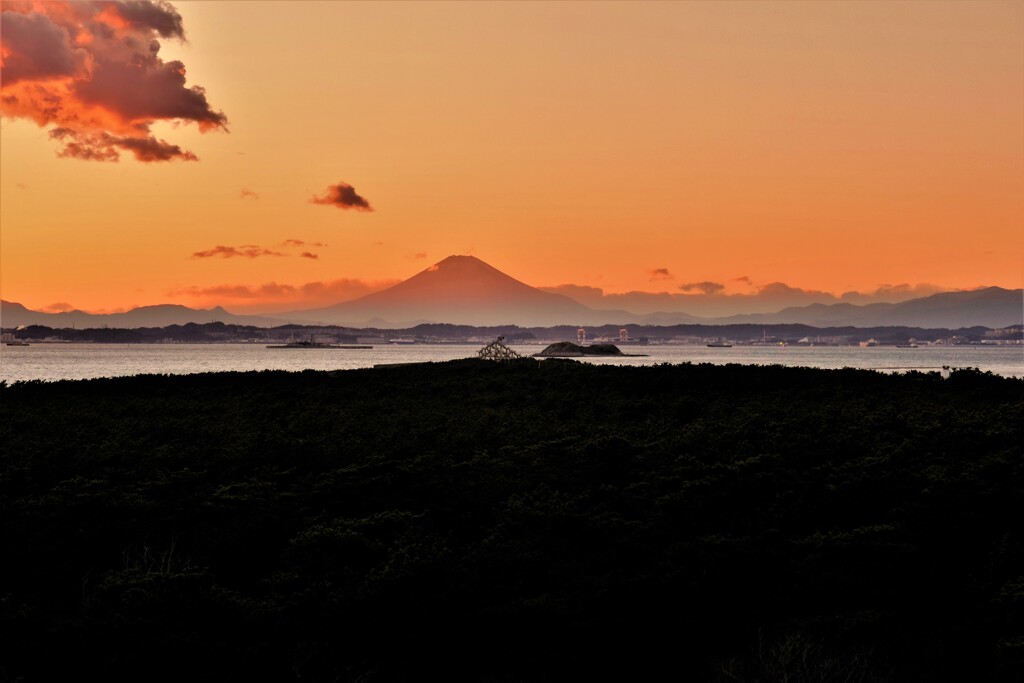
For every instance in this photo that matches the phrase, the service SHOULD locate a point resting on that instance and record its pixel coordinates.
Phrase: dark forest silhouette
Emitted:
(514, 521)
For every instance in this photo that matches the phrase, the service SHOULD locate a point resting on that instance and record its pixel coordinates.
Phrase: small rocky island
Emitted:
(570, 350)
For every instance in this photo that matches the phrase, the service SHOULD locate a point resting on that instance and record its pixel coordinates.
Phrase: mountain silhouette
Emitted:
(460, 290)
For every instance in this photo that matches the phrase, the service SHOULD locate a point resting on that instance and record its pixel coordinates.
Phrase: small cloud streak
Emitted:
(307, 254)
(418, 255)
(342, 196)
(703, 287)
(246, 192)
(246, 251)
(92, 71)
(660, 274)
(301, 243)
(60, 307)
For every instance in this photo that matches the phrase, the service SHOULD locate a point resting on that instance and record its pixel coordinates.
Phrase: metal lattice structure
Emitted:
(498, 351)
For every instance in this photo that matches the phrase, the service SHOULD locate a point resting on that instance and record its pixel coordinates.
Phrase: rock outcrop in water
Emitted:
(568, 349)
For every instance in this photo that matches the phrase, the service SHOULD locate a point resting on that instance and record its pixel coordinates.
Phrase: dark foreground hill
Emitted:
(538, 521)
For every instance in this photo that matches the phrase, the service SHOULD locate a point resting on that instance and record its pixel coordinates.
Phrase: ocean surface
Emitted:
(57, 361)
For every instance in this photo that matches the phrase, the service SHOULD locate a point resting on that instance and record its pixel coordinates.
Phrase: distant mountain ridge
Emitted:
(161, 315)
(463, 290)
(989, 307)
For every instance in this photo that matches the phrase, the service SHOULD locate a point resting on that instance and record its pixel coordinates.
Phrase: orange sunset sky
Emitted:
(662, 147)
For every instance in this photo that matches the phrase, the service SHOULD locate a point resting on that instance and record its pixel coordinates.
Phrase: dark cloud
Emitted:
(703, 287)
(92, 71)
(104, 147)
(301, 243)
(246, 192)
(660, 274)
(246, 250)
(343, 196)
(742, 278)
(153, 92)
(159, 16)
(307, 254)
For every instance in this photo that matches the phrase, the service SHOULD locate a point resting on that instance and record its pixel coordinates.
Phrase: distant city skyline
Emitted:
(624, 154)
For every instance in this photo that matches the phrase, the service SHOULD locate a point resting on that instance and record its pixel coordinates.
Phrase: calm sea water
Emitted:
(52, 362)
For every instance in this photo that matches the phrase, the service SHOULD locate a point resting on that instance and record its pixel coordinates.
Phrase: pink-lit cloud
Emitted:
(893, 293)
(342, 196)
(92, 72)
(272, 296)
(59, 307)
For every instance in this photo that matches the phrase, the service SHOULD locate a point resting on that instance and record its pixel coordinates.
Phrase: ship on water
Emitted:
(311, 344)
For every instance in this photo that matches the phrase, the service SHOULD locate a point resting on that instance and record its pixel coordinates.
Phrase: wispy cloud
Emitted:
(244, 251)
(307, 254)
(660, 274)
(246, 192)
(342, 196)
(92, 70)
